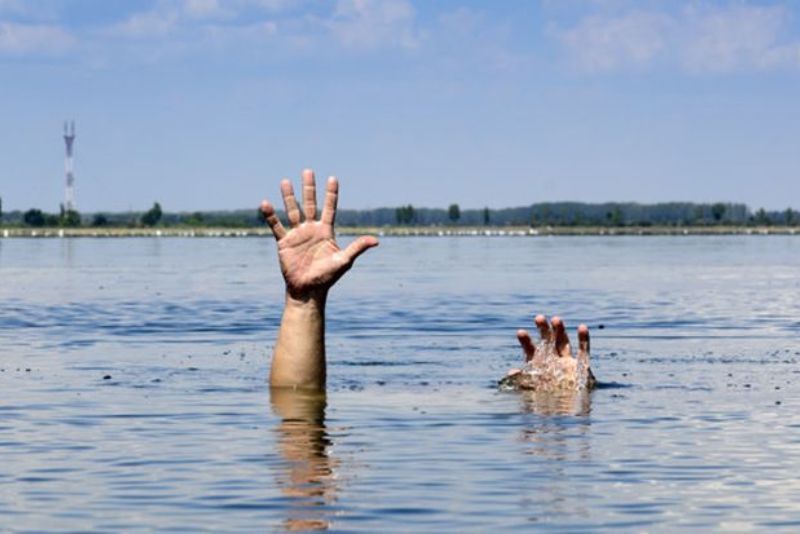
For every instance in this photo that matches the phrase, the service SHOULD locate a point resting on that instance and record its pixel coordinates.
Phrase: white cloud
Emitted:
(196, 19)
(33, 39)
(354, 24)
(202, 9)
(146, 24)
(168, 17)
(741, 37)
(374, 23)
(172, 30)
(700, 39)
(605, 43)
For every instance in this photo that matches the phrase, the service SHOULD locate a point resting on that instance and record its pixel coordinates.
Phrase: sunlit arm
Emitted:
(299, 358)
(311, 263)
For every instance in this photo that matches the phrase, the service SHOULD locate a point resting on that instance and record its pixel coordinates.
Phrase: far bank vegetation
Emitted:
(555, 214)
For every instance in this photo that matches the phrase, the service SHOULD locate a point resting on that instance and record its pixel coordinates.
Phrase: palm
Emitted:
(311, 260)
(310, 257)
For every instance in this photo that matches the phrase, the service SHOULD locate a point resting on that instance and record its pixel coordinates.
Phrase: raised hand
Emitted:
(311, 260)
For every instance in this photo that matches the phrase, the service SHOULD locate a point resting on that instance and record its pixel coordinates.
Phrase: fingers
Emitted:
(331, 199)
(583, 339)
(544, 328)
(292, 211)
(268, 210)
(309, 195)
(563, 347)
(583, 355)
(358, 247)
(528, 348)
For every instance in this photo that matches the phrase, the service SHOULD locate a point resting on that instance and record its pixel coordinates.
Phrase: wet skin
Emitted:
(553, 333)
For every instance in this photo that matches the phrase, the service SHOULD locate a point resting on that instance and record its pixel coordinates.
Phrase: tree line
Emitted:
(69, 218)
(608, 214)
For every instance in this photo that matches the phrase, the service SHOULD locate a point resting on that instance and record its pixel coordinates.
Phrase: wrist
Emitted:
(313, 300)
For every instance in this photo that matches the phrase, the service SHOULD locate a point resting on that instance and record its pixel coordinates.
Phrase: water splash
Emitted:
(549, 371)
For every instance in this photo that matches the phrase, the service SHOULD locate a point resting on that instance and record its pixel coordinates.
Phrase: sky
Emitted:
(207, 104)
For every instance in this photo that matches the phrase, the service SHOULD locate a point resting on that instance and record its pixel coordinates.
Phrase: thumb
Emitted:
(358, 247)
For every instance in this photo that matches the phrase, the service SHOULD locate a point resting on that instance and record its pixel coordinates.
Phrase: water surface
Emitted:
(133, 377)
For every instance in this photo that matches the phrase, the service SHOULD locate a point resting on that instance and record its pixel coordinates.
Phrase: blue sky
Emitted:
(204, 104)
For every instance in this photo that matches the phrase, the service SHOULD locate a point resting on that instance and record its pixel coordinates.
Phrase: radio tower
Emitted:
(69, 138)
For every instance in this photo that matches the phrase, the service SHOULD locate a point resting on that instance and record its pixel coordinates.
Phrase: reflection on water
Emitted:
(68, 251)
(557, 402)
(559, 438)
(307, 474)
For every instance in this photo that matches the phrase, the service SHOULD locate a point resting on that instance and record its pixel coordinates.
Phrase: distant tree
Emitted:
(486, 216)
(718, 211)
(762, 217)
(454, 213)
(1, 209)
(99, 220)
(197, 219)
(545, 215)
(614, 217)
(699, 215)
(405, 214)
(69, 218)
(33, 217)
(789, 216)
(152, 216)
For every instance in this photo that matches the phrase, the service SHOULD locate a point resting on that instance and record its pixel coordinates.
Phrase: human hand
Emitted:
(311, 260)
(551, 365)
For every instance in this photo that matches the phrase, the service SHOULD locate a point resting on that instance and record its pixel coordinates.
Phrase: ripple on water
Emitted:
(683, 431)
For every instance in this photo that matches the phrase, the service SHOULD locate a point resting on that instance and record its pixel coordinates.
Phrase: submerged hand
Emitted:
(553, 356)
(311, 260)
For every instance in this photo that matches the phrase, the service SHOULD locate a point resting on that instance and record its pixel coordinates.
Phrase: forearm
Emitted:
(299, 358)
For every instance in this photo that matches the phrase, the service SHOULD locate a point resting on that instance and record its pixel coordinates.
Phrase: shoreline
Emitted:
(402, 231)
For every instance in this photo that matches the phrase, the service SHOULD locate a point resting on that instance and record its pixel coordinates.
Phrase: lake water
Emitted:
(134, 394)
